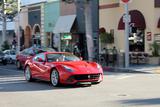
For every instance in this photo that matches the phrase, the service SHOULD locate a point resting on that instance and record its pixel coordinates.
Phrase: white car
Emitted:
(10, 56)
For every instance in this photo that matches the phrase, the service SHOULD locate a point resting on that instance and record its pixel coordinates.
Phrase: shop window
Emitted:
(136, 40)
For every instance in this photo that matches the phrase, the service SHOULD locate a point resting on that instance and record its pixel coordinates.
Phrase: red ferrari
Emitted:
(62, 68)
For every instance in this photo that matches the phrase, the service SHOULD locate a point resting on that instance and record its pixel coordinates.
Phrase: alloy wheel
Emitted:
(55, 78)
(28, 76)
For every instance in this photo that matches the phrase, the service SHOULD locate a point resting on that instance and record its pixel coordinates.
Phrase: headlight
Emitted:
(68, 68)
(98, 66)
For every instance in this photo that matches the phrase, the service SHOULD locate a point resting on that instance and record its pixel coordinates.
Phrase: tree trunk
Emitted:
(4, 23)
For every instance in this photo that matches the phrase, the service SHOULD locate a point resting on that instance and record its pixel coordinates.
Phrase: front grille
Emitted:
(87, 76)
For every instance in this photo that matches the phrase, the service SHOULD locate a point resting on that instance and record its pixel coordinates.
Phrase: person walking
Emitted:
(114, 51)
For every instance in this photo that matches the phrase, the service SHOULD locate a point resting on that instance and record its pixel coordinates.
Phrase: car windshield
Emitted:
(36, 50)
(13, 52)
(59, 57)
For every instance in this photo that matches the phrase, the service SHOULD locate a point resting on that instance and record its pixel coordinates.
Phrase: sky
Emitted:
(26, 2)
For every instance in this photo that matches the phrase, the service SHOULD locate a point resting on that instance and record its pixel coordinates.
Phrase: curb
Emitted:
(122, 70)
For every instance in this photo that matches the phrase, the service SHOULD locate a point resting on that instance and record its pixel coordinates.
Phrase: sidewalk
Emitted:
(134, 69)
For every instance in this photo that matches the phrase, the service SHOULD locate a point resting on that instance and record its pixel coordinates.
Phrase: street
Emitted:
(116, 90)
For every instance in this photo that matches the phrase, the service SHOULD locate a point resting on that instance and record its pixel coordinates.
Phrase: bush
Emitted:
(155, 47)
(106, 37)
(5, 45)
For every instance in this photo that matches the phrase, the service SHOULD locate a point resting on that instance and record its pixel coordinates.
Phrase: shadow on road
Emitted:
(144, 102)
(22, 85)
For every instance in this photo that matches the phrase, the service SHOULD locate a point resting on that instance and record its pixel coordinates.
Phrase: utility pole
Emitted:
(126, 36)
(18, 32)
(126, 19)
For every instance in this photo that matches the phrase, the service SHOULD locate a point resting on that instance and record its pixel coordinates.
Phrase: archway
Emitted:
(27, 37)
(36, 35)
(137, 30)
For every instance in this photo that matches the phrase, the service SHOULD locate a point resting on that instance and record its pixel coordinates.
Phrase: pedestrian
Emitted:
(76, 50)
(114, 51)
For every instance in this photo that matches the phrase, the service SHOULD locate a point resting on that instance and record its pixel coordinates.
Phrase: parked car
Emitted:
(62, 68)
(2, 58)
(28, 53)
(10, 56)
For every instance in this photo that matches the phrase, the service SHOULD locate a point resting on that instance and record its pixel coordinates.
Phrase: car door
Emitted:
(39, 67)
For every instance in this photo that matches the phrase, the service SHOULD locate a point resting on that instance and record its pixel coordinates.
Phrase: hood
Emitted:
(80, 67)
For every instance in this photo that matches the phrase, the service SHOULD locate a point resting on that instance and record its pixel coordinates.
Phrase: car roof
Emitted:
(57, 53)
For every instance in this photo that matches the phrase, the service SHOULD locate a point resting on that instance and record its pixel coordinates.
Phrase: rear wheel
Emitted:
(28, 74)
(55, 78)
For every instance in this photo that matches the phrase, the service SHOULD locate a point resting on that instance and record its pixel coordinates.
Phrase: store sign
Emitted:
(67, 37)
(149, 36)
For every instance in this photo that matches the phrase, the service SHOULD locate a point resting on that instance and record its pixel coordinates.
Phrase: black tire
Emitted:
(18, 65)
(10, 61)
(28, 74)
(54, 78)
(4, 62)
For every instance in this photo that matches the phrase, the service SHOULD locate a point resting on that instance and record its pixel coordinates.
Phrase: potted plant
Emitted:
(154, 59)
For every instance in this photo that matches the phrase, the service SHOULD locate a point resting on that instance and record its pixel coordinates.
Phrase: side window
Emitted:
(42, 56)
(12, 52)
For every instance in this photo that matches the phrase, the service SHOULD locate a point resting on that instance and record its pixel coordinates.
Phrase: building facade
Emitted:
(51, 14)
(145, 16)
(31, 24)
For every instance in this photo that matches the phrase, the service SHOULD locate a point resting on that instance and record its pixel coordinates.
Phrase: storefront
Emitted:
(51, 14)
(143, 25)
(68, 37)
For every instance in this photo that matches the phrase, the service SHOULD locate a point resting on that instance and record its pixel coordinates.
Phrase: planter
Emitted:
(154, 60)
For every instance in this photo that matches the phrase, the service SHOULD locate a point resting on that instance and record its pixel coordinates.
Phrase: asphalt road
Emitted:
(117, 90)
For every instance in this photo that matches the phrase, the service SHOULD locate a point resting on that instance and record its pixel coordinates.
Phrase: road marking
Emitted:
(124, 77)
(121, 76)
(10, 70)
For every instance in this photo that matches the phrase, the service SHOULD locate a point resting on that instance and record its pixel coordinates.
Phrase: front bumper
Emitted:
(83, 78)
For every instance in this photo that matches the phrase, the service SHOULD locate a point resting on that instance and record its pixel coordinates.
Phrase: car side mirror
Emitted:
(40, 60)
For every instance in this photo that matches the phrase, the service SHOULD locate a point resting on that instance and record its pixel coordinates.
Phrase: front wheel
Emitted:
(28, 74)
(4, 62)
(55, 78)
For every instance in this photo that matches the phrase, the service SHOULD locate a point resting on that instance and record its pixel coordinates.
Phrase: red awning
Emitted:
(158, 25)
(136, 17)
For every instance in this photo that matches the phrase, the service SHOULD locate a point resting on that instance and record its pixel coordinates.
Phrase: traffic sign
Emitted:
(125, 1)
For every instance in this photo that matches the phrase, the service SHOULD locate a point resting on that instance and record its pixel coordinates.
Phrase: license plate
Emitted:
(85, 83)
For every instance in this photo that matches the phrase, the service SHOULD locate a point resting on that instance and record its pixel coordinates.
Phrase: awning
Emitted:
(64, 24)
(136, 17)
(158, 25)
